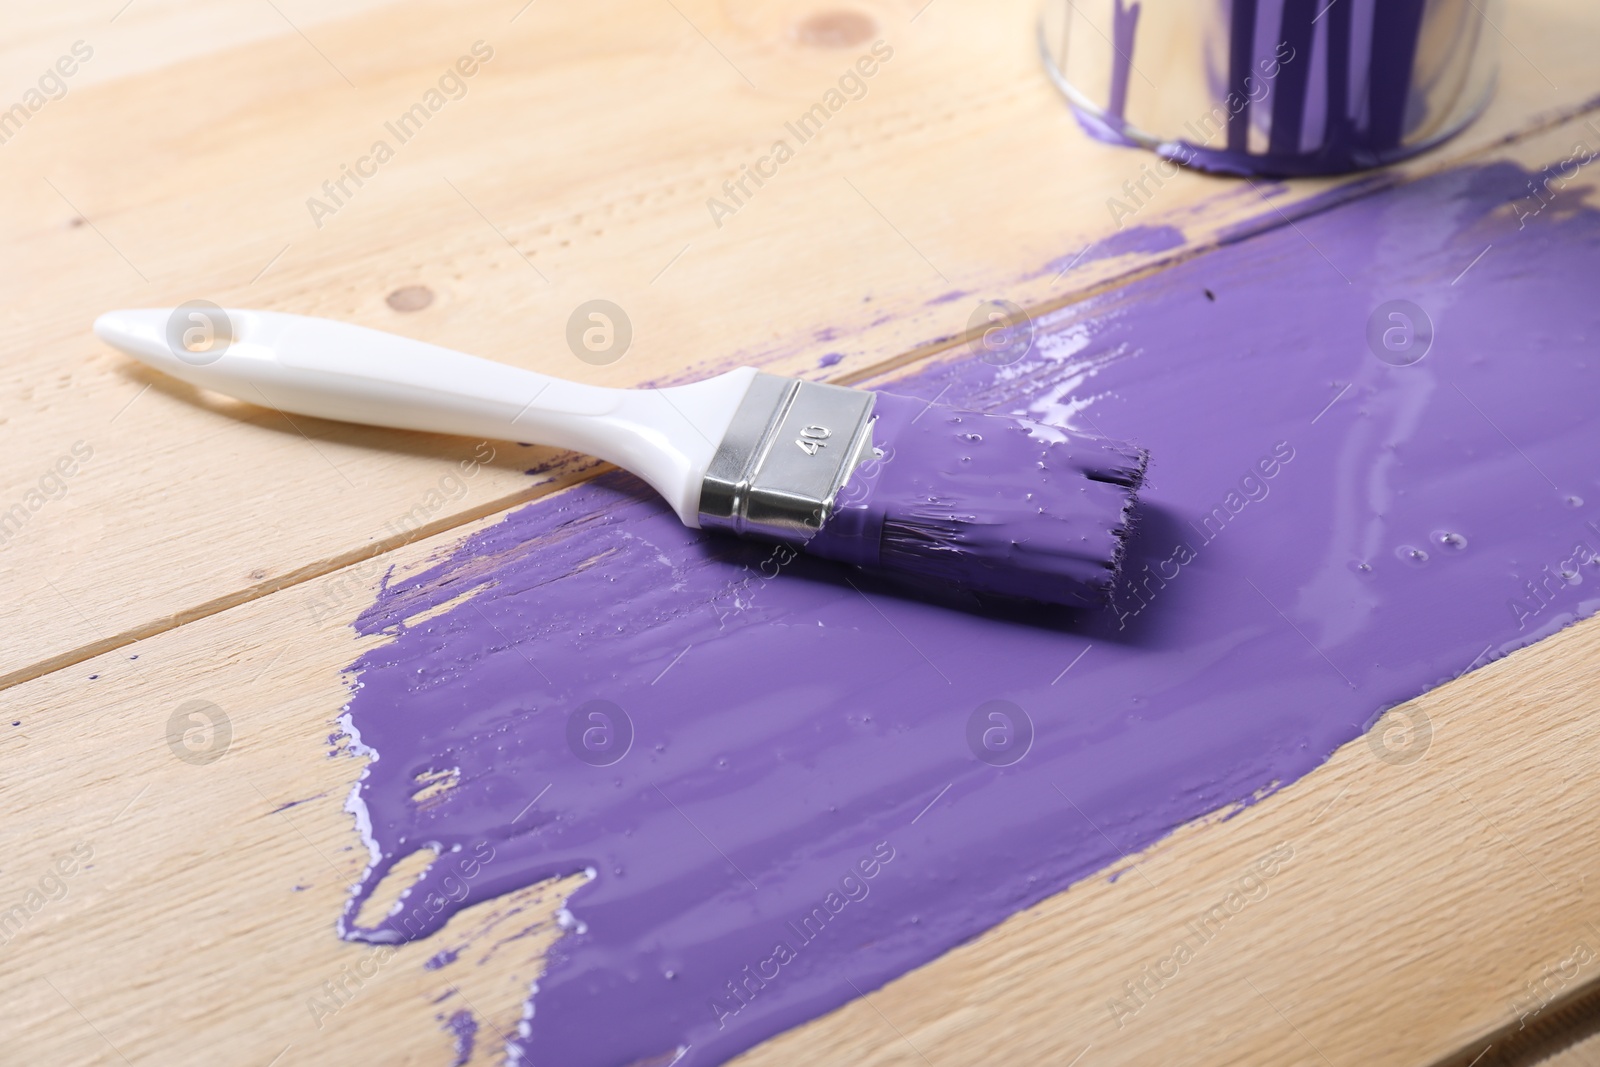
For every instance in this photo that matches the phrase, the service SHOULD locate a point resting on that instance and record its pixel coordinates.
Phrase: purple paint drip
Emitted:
(803, 810)
(1241, 52)
(1337, 74)
(1290, 95)
(1395, 28)
(1326, 88)
(1124, 28)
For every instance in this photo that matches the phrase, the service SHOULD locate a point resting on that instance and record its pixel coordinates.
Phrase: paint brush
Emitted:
(988, 503)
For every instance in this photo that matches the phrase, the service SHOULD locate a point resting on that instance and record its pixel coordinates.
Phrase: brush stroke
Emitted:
(797, 785)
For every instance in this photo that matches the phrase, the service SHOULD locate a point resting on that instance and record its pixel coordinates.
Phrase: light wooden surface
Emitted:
(583, 153)
(227, 548)
(1584, 1054)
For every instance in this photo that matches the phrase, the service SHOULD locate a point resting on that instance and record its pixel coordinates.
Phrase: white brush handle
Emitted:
(333, 370)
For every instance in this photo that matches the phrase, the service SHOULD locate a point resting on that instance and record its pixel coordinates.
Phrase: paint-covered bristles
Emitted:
(991, 504)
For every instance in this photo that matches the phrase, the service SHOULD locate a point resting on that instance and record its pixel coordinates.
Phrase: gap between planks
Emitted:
(1355, 188)
(1568, 1020)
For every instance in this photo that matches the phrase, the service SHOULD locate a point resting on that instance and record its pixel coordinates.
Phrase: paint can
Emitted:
(1274, 87)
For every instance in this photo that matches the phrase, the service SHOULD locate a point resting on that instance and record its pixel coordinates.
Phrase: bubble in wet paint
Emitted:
(1411, 554)
(999, 733)
(1401, 736)
(1574, 501)
(1449, 539)
(599, 733)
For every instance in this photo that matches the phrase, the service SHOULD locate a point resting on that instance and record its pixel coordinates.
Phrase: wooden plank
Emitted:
(129, 37)
(578, 164)
(194, 920)
(1585, 1053)
(1405, 912)
(1407, 909)
(187, 940)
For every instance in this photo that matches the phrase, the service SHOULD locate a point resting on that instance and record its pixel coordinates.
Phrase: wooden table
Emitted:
(206, 551)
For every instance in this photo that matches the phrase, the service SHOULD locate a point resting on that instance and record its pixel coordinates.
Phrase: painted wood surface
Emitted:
(577, 165)
(227, 548)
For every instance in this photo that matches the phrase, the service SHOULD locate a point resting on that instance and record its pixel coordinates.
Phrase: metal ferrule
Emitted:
(789, 450)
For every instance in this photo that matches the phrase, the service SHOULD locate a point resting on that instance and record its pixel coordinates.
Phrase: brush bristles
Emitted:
(988, 503)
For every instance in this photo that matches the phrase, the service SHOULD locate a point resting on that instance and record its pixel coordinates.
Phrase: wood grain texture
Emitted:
(199, 929)
(1414, 905)
(578, 164)
(1585, 1053)
(142, 36)
(228, 545)
(200, 932)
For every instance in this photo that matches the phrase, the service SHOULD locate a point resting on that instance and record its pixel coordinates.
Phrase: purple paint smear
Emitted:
(800, 811)
(463, 1028)
(442, 958)
(1130, 241)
